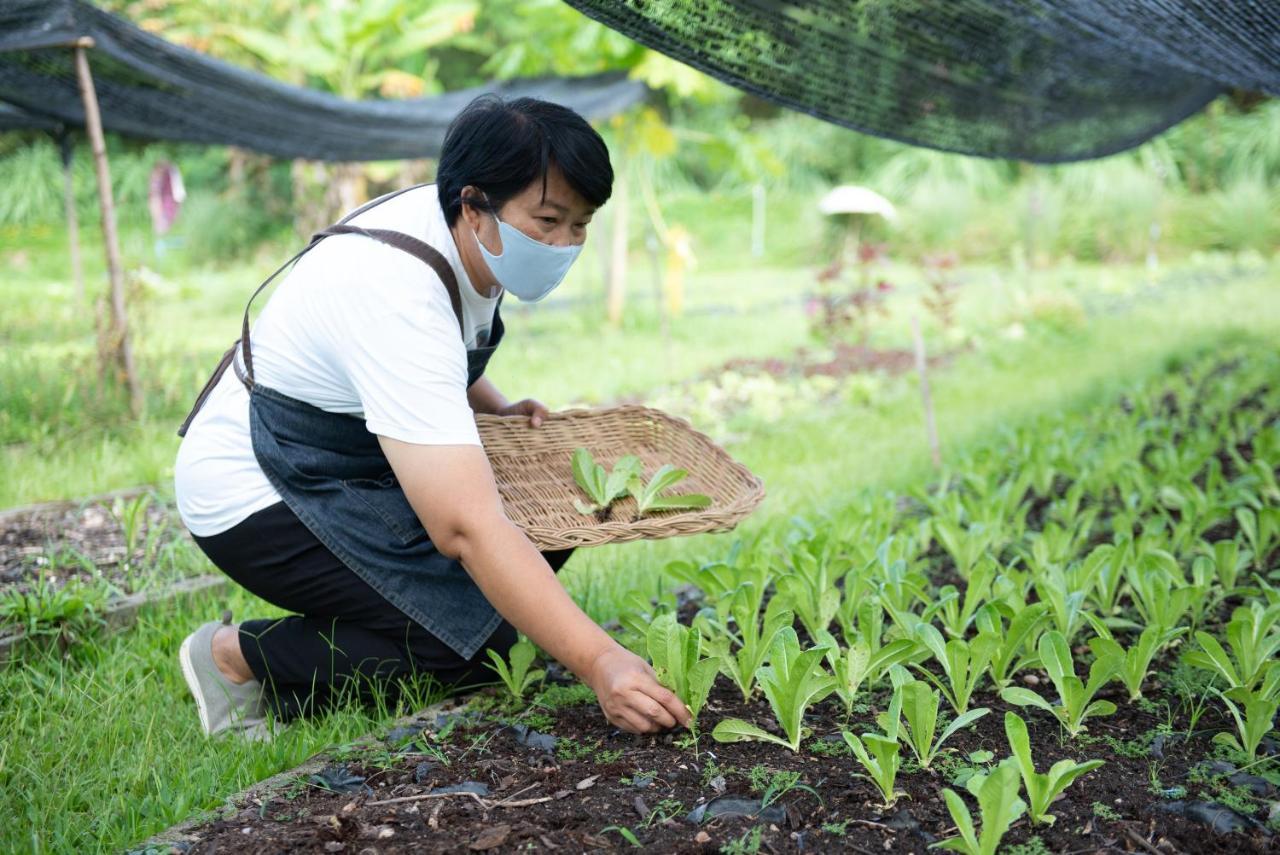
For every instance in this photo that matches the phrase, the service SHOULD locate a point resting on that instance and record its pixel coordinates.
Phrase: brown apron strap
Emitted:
(226, 360)
(419, 249)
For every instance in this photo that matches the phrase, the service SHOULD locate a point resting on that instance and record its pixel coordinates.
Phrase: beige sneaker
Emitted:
(222, 704)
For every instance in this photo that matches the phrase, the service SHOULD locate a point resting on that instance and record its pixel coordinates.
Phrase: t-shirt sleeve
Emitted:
(408, 367)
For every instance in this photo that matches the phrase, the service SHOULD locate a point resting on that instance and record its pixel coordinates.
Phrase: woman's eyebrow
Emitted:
(564, 209)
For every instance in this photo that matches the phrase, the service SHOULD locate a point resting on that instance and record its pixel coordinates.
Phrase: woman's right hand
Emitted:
(631, 696)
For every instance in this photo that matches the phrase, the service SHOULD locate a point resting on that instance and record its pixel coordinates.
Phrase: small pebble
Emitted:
(384, 833)
(1031, 679)
(702, 838)
(246, 830)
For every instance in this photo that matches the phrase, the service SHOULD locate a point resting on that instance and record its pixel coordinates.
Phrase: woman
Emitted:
(337, 472)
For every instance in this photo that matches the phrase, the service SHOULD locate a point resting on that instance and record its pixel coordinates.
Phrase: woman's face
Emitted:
(559, 218)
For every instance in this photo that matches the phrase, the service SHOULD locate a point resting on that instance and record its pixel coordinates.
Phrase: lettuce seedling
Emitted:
(1075, 697)
(676, 652)
(1014, 648)
(998, 804)
(1135, 663)
(920, 708)
(879, 754)
(1254, 639)
(755, 639)
(792, 681)
(1041, 789)
(601, 487)
(881, 761)
(649, 496)
(859, 665)
(963, 663)
(1258, 717)
(518, 678)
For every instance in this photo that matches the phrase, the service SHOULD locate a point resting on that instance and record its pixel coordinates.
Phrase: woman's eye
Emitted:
(551, 221)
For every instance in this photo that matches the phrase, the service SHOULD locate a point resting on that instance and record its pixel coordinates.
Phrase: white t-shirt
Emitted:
(355, 327)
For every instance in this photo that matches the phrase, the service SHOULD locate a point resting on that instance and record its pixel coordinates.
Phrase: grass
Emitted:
(103, 748)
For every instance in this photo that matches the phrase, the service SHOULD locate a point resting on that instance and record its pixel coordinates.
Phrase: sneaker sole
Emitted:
(189, 672)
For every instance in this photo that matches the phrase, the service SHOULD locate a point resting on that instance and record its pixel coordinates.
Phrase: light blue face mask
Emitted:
(528, 268)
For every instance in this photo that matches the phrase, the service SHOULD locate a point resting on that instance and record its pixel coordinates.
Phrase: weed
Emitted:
(1106, 812)
(747, 844)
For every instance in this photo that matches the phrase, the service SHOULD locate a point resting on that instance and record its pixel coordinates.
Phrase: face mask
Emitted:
(528, 268)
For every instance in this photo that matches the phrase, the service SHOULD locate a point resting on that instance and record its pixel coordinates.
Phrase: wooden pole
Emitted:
(922, 368)
(73, 219)
(119, 343)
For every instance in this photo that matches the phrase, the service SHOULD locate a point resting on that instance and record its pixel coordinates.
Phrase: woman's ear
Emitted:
(470, 213)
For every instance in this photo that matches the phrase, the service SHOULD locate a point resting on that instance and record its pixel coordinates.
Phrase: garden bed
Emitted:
(480, 781)
(1128, 542)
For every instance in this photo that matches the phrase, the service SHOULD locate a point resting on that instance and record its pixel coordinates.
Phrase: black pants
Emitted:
(345, 638)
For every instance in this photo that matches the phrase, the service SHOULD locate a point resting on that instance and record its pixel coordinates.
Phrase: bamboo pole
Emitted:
(73, 219)
(119, 343)
(922, 368)
(616, 300)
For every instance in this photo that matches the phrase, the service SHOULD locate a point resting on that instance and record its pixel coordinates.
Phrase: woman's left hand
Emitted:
(535, 410)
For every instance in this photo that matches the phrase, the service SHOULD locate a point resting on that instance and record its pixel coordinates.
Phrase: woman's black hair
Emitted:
(503, 146)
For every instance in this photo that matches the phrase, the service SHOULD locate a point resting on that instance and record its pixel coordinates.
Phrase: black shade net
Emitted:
(1039, 80)
(152, 89)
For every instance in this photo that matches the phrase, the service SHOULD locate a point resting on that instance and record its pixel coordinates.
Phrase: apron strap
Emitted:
(419, 249)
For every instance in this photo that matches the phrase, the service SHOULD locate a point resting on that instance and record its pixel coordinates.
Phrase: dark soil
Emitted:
(841, 361)
(79, 541)
(598, 777)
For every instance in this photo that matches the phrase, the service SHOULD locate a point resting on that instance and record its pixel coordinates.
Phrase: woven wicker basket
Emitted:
(535, 476)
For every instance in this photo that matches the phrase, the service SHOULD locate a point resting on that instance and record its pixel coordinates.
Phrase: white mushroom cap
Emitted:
(851, 199)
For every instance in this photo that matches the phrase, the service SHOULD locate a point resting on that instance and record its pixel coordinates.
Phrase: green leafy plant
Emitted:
(998, 805)
(1252, 724)
(879, 753)
(1253, 634)
(963, 664)
(754, 638)
(792, 681)
(1014, 649)
(602, 487)
(1134, 663)
(1041, 789)
(648, 495)
(518, 678)
(1075, 697)
(858, 666)
(919, 706)
(676, 653)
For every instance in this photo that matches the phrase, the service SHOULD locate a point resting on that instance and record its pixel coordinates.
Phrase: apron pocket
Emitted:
(384, 497)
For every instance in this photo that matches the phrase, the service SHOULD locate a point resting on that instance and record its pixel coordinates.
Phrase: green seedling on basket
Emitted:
(963, 664)
(754, 639)
(880, 754)
(858, 666)
(602, 487)
(919, 706)
(1255, 722)
(676, 653)
(998, 805)
(792, 681)
(1014, 644)
(1135, 663)
(1041, 789)
(1253, 634)
(648, 495)
(518, 678)
(1075, 697)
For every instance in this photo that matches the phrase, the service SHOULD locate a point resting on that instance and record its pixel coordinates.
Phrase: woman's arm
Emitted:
(484, 397)
(452, 490)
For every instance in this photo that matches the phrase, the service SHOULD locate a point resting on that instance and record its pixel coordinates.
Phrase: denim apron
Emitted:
(331, 472)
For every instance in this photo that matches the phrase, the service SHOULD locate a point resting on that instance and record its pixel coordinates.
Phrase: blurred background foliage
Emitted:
(1207, 184)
